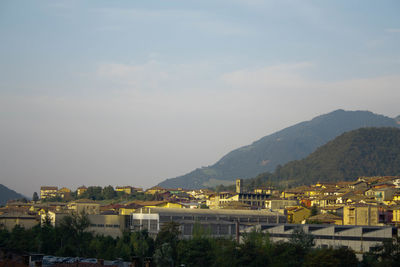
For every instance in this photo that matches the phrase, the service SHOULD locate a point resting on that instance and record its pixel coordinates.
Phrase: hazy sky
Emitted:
(133, 92)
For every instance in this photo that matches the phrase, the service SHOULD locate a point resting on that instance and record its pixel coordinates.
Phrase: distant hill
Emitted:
(292, 143)
(8, 194)
(362, 152)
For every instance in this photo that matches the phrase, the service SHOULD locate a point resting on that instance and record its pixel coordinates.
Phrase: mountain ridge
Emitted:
(362, 152)
(292, 143)
(8, 194)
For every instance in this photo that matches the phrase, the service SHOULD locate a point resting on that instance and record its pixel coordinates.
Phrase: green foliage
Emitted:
(386, 254)
(35, 196)
(169, 249)
(301, 239)
(109, 192)
(196, 252)
(314, 210)
(93, 192)
(330, 257)
(362, 152)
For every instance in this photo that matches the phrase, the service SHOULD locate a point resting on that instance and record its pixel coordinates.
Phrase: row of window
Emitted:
(267, 219)
(106, 225)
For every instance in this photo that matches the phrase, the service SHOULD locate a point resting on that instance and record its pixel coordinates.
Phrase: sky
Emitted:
(134, 92)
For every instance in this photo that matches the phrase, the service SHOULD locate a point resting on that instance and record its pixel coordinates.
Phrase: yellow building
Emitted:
(396, 215)
(64, 193)
(325, 218)
(8, 222)
(361, 215)
(155, 190)
(126, 189)
(297, 214)
(107, 225)
(81, 190)
(48, 191)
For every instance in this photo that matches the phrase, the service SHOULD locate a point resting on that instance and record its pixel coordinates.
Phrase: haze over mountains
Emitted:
(7, 194)
(362, 152)
(292, 143)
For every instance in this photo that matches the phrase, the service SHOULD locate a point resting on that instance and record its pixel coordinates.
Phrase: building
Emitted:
(48, 192)
(54, 217)
(239, 186)
(297, 214)
(219, 222)
(361, 239)
(9, 221)
(107, 225)
(126, 189)
(361, 215)
(100, 224)
(80, 190)
(275, 204)
(325, 218)
(84, 205)
(64, 193)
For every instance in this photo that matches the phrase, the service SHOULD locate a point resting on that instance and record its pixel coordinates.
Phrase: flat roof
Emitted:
(210, 211)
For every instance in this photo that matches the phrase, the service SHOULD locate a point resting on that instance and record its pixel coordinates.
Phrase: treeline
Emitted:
(167, 249)
(99, 193)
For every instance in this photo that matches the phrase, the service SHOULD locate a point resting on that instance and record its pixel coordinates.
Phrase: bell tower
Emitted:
(239, 186)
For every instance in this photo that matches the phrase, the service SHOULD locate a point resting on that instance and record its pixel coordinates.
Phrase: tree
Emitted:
(301, 239)
(73, 229)
(166, 244)
(255, 250)
(314, 211)
(109, 192)
(331, 257)
(35, 196)
(142, 244)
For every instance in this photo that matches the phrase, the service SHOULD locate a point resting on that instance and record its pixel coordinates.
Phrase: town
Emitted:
(358, 214)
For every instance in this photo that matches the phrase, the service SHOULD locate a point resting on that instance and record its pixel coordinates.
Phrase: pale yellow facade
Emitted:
(85, 207)
(361, 215)
(297, 214)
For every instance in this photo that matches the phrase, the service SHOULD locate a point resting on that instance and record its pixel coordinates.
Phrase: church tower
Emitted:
(239, 186)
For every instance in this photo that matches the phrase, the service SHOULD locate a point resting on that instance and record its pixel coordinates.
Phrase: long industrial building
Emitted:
(221, 222)
(361, 239)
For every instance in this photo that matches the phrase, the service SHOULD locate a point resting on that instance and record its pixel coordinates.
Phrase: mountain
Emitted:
(8, 194)
(292, 143)
(362, 152)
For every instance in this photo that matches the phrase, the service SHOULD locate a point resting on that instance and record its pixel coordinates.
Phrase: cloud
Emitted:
(281, 76)
(393, 30)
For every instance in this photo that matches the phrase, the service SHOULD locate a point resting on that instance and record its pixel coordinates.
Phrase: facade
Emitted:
(359, 238)
(86, 206)
(275, 204)
(325, 218)
(297, 214)
(126, 189)
(256, 201)
(219, 222)
(107, 225)
(55, 217)
(361, 215)
(64, 193)
(48, 191)
(8, 222)
(80, 190)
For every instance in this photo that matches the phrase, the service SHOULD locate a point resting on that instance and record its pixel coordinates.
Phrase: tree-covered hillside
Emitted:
(8, 194)
(292, 143)
(362, 152)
